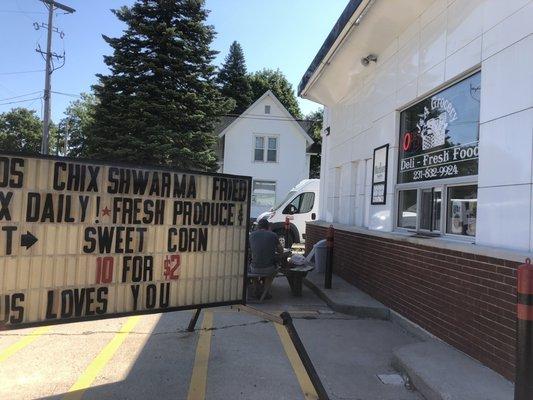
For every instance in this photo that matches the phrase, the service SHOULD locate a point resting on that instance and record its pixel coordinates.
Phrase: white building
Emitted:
(427, 161)
(268, 144)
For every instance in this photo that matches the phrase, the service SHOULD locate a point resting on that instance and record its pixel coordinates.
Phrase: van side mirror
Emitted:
(313, 216)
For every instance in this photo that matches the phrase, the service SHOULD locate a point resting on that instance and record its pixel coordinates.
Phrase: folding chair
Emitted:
(269, 278)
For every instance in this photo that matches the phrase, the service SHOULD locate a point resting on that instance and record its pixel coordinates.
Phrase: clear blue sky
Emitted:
(284, 34)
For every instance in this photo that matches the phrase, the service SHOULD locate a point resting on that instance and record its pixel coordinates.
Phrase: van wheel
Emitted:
(281, 238)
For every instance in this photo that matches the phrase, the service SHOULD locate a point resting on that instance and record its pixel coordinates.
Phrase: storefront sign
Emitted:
(379, 175)
(439, 135)
(83, 240)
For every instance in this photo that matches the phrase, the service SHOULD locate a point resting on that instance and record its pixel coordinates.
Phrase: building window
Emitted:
(264, 193)
(267, 109)
(407, 209)
(438, 161)
(462, 210)
(271, 152)
(259, 153)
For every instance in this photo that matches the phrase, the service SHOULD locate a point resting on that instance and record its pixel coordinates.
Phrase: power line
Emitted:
(22, 12)
(19, 101)
(19, 96)
(21, 72)
(66, 94)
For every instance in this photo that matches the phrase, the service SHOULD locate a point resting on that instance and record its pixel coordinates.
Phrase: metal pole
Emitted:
(329, 258)
(524, 333)
(304, 357)
(47, 83)
(194, 319)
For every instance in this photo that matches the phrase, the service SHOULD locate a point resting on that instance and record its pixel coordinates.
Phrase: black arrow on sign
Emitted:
(27, 240)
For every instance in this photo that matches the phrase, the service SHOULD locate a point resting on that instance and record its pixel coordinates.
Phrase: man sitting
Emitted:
(266, 251)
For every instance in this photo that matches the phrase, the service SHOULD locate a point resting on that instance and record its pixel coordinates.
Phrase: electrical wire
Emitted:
(21, 72)
(19, 101)
(66, 94)
(19, 96)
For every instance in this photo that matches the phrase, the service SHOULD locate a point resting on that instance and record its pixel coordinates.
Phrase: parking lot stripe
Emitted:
(299, 369)
(100, 361)
(197, 387)
(29, 338)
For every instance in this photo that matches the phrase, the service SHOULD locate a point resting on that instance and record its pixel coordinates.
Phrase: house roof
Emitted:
(338, 28)
(222, 130)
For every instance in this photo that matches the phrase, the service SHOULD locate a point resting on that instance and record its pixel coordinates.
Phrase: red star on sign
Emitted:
(106, 211)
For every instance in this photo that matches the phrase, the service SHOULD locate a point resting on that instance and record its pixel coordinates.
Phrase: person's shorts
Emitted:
(262, 271)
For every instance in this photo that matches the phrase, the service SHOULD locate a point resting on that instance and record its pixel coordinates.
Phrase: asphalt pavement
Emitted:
(230, 355)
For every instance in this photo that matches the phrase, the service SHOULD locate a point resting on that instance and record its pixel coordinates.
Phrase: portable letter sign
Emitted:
(84, 240)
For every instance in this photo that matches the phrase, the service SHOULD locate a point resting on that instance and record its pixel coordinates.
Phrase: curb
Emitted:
(381, 313)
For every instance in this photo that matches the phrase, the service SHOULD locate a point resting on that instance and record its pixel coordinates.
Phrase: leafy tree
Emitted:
(160, 103)
(315, 131)
(77, 123)
(266, 79)
(233, 79)
(20, 130)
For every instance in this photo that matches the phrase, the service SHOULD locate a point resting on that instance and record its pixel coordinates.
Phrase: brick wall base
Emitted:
(467, 300)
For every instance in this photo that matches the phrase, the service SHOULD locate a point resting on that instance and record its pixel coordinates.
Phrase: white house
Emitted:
(427, 158)
(268, 144)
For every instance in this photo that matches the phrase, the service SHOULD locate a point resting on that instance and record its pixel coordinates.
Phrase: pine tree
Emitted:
(160, 103)
(233, 79)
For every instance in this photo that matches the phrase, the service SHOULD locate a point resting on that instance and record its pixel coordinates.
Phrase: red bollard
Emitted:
(329, 257)
(524, 333)
(287, 232)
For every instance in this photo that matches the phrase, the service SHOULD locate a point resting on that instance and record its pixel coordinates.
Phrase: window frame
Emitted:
(443, 210)
(443, 183)
(265, 138)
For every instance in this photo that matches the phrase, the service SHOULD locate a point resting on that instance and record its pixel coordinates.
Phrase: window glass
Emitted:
(308, 200)
(439, 135)
(264, 193)
(272, 150)
(462, 210)
(301, 204)
(289, 196)
(407, 209)
(267, 109)
(259, 154)
(430, 205)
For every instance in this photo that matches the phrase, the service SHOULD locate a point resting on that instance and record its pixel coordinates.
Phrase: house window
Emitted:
(259, 153)
(264, 193)
(438, 161)
(268, 154)
(267, 109)
(272, 152)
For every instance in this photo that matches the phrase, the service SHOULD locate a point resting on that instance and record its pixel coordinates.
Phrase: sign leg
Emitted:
(194, 319)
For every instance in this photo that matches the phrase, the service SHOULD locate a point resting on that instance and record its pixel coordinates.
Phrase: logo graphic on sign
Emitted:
(433, 123)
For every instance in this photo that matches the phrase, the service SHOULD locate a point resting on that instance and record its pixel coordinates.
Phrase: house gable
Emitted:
(257, 111)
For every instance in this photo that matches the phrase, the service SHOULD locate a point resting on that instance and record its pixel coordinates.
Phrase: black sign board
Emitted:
(81, 239)
(439, 135)
(379, 175)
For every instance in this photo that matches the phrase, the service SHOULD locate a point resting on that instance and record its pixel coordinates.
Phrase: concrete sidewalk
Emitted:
(437, 370)
(346, 298)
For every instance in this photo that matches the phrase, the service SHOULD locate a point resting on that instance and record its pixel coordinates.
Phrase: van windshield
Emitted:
(289, 196)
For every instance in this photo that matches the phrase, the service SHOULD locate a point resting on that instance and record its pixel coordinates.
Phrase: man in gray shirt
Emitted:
(265, 248)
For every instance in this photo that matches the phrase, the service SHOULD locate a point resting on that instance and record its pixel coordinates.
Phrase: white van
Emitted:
(300, 205)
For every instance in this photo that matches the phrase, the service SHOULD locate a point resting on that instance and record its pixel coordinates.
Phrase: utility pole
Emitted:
(51, 5)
